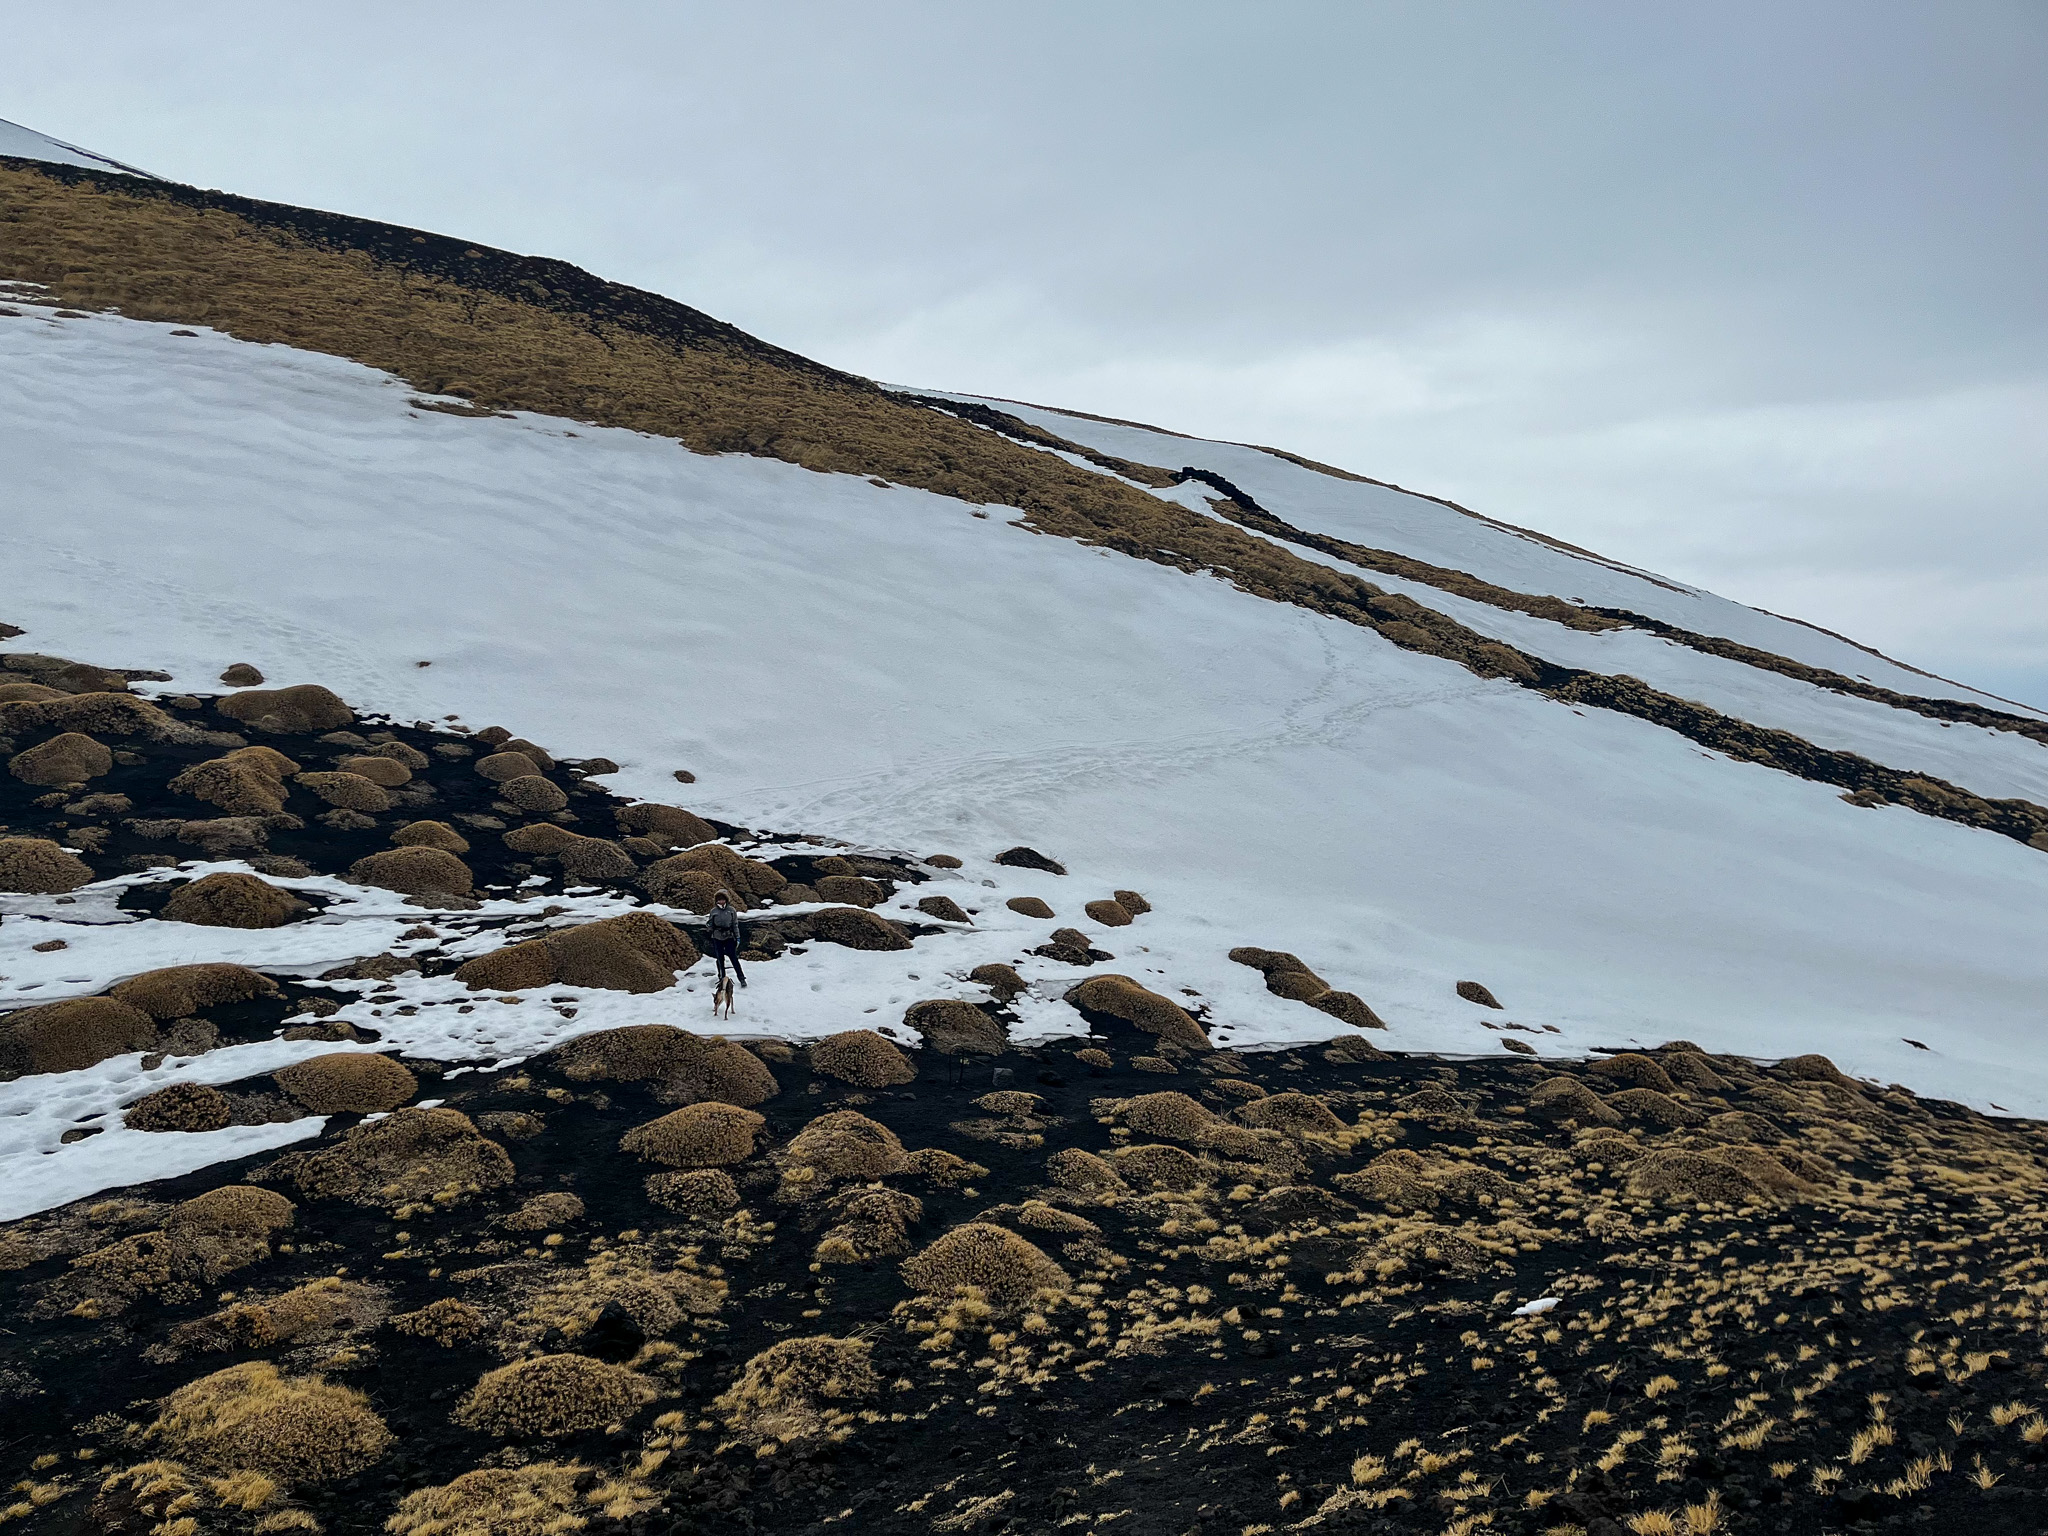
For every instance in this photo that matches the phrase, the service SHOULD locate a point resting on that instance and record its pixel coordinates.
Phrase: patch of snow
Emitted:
(27, 144)
(882, 669)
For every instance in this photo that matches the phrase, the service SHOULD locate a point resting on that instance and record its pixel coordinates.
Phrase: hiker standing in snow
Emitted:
(725, 937)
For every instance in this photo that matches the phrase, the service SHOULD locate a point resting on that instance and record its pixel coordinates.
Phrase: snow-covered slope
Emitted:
(892, 667)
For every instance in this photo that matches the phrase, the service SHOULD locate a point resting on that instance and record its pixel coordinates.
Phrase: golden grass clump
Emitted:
(946, 1169)
(856, 929)
(1634, 1070)
(944, 908)
(1001, 980)
(298, 1429)
(246, 782)
(544, 1213)
(347, 791)
(412, 1156)
(1653, 1108)
(1158, 1166)
(1295, 1113)
(241, 674)
(849, 890)
(347, 1083)
(703, 1135)
(1398, 1178)
(431, 834)
(1691, 1069)
(634, 952)
(869, 1224)
(1812, 1069)
(178, 991)
(1670, 1174)
(1172, 1115)
(295, 711)
(1348, 1008)
(846, 1144)
(686, 1066)
(180, 1107)
(1566, 1098)
(1029, 906)
(96, 714)
(384, 772)
(538, 1499)
(1286, 975)
(533, 794)
(204, 1238)
(863, 1058)
(1100, 1060)
(503, 767)
(699, 1193)
(955, 1028)
(447, 1322)
(1474, 992)
(799, 1389)
(228, 900)
(415, 871)
(1075, 1169)
(552, 1397)
(749, 880)
(28, 693)
(315, 1307)
(1132, 902)
(74, 1033)
(1009, 1269)
(581, 858)
(1121, 998)
(35, 866)
(669, 825)
(71, 758)
(1108, 913)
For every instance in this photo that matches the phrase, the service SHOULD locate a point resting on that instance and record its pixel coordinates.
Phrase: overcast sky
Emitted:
(1751, 294)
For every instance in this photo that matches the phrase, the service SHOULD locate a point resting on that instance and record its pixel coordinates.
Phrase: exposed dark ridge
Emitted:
(537, 280)
(1415, 627)
(1961, 711)
(1446, 578)
(1020, 430)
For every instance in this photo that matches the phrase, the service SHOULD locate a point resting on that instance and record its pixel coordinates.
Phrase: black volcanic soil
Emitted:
(1787, 1302)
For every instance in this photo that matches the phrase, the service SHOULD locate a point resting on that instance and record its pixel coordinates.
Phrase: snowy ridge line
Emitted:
(1960, 711)
(1465, 584)
(1415, 627)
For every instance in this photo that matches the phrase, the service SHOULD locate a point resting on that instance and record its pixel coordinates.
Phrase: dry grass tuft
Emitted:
(1119, 997)
(246, 782)
(793, 1390)
(1634, 1070)
(844, 1144)
(36, 866)
(1001, 980)
(1108, 913)
(863, 1058)
(231, 901)
(1296, 1113)
(1007, 1268)
(686, 1066)
(700, 1193)
(179, 991)
(430, 1157)
(180, 1107)
(417, 870)
(955, 1028)
(249, 1417)
(73, 1034)
(856, 929)
(347, 1083)
(71, 758)
(295, 711)
(552, 1397)
(634, 952)
(704, 1135)
(447, 1322)
(431, 834)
